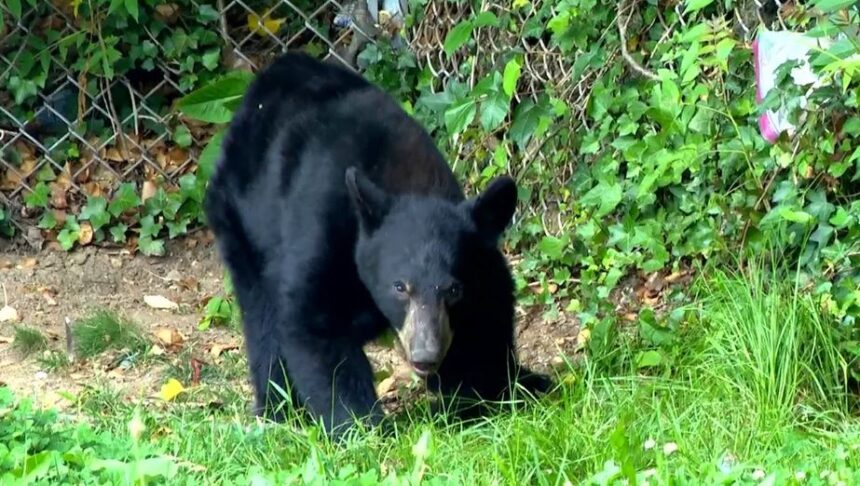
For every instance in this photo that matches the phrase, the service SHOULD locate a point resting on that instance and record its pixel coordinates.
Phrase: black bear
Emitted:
(338, 218)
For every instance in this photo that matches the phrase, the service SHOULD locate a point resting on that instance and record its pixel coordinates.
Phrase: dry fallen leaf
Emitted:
(156, 350)
(85, 234)
(189, 283)
(171, 390)
(385, 386)
(148, 190)
(29, 263)
(8, 314)
(160, 302)
(583, 337)
(216, 349)
(196, 367)
(169, 337)
(49, 299)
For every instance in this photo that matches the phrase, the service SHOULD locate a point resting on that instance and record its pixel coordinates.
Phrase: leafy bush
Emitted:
(662, 164)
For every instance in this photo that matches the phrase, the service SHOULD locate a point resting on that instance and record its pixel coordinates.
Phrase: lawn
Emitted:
(752, 392)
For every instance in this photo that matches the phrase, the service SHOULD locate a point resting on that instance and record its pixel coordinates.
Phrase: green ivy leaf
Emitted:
(605, 196)
(182, 136)
(211, 59)
(95, 211)
(38, 197)
(149, 228)
(458, 36)
(177, 228)
(552, 247)
(69, 234)
(126, 198)
(150, 247)
(841, 219)
(48, 221)
(117, 232)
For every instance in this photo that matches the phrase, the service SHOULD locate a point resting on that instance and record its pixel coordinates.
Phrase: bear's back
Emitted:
(304, 122)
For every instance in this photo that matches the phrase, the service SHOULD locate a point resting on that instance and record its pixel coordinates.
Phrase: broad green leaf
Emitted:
(69, 234)
(216, 102)
(458, 36)
(460, 116)
(795, 216)
(485, 19)
(828, 6)
(209, 156)
(525, 123)
(493, 111)
(14, 7)
(696, 5)
(132, 8)
(513, 69)
(649, 359)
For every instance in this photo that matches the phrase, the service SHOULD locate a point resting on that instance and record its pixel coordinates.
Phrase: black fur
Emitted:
(309, 262)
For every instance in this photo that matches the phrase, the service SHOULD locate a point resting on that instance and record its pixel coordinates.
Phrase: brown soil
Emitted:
(47, 287)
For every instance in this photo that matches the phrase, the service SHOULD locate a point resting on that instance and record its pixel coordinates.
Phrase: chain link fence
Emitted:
(85, 124)
(86, 104)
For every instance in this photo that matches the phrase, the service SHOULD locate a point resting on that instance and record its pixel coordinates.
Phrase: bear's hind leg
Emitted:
(268, 370)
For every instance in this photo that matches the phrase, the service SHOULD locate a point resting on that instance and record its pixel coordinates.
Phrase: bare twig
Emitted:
(222, 22)
(622, 33)
(133, 109)
(70, 339)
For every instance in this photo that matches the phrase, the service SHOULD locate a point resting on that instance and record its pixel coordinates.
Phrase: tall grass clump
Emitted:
(766, 343)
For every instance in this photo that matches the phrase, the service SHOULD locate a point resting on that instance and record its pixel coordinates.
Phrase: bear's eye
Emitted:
(455, 291)
(400, 287)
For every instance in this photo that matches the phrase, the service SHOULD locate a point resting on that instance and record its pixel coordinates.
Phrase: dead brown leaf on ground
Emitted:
(170, 338)
(160, 302)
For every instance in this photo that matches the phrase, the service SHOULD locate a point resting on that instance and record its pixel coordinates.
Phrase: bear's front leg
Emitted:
(479, 370)
(332, 379)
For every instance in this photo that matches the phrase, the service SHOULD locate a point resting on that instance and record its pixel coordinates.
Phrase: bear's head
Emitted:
(416, 256)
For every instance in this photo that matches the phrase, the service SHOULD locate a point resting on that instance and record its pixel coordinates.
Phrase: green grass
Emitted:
(105, 330)
(28, 340)
(754, 393)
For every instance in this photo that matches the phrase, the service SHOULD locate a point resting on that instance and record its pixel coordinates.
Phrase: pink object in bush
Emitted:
(770, 51)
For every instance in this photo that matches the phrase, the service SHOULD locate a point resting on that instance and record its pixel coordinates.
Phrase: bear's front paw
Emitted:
(535, 383)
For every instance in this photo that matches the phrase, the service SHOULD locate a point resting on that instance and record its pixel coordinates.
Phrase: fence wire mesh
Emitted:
(87, 130)
(90, 123)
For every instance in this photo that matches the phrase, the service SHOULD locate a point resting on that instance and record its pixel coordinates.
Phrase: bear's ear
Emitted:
(493, 209)
(370, 202)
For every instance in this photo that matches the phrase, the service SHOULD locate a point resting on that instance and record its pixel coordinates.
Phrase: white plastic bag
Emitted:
(770, 51)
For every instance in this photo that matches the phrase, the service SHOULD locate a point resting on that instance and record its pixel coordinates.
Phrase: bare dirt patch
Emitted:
(49, 286)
